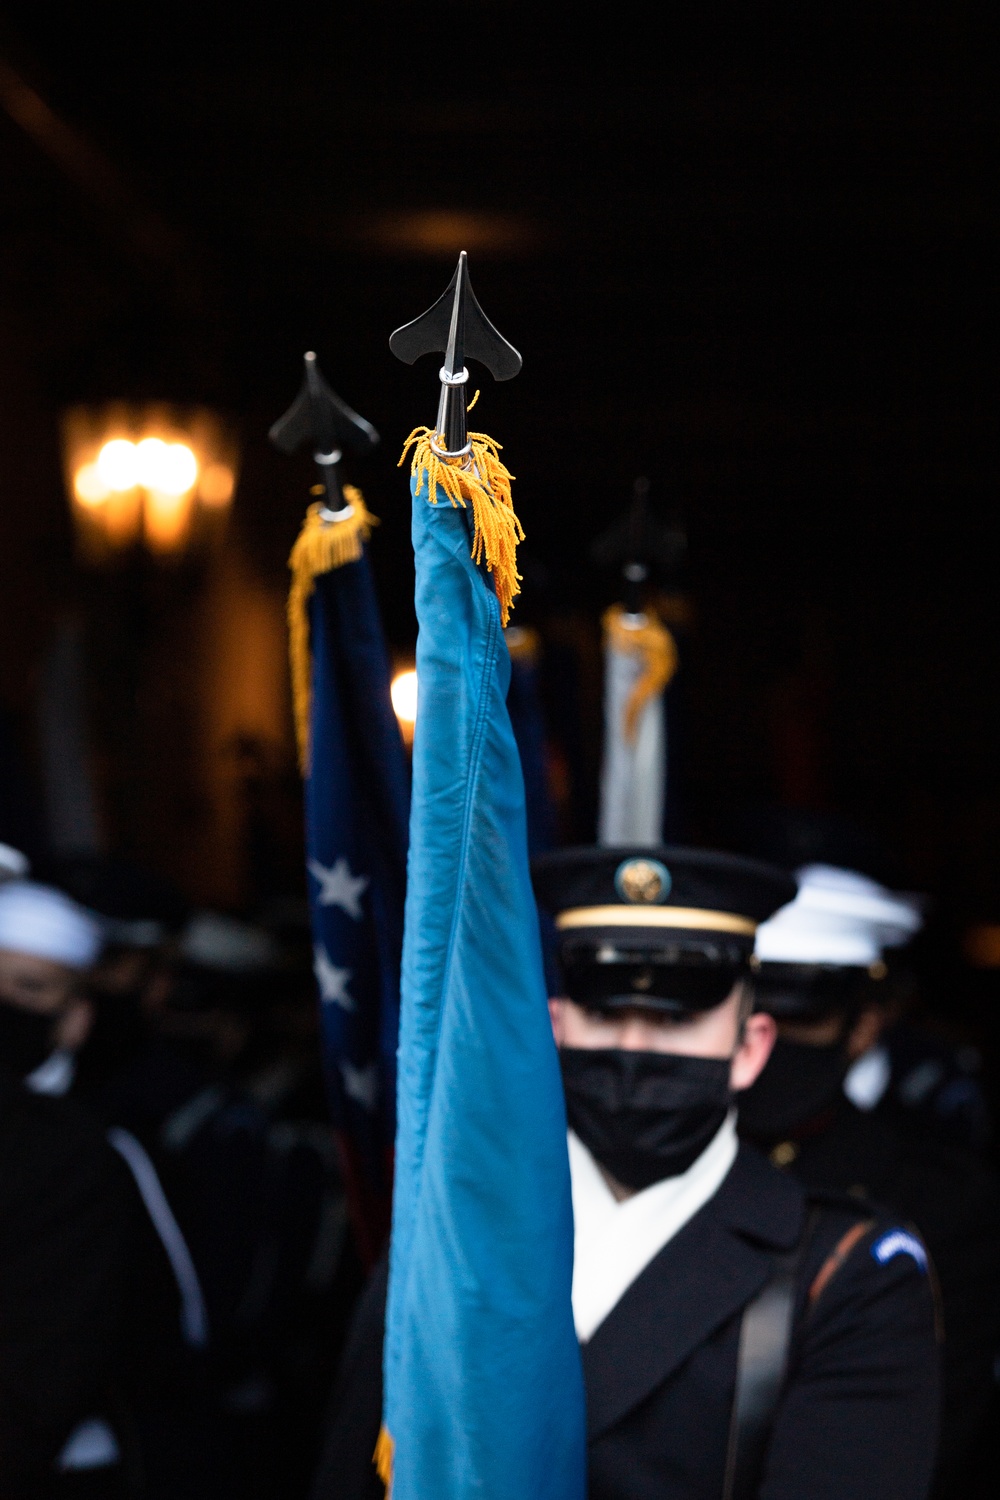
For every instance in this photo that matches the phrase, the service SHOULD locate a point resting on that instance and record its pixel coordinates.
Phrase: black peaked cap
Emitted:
(700, 879)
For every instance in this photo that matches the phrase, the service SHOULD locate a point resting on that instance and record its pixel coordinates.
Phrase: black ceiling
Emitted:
(750, 251)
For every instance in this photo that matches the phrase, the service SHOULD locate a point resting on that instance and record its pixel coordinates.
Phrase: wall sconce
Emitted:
(153, 474)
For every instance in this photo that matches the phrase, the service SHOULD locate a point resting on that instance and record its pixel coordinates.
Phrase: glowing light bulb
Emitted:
(147, 473)
(149, 462)
(88, 486)
(116, 464)
(167, 468)
(180, 469)
(404, 698)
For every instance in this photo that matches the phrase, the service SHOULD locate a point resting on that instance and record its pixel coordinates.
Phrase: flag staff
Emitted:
(318, 417)
(356, 798)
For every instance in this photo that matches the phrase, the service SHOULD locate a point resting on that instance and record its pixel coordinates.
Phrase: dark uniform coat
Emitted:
(858, 1417)
(952, 1197)
(65, 1227)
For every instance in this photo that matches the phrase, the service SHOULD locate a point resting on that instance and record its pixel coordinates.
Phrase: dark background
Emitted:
(749, 251)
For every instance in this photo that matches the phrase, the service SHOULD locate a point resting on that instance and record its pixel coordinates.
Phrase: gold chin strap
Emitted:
(687, 918)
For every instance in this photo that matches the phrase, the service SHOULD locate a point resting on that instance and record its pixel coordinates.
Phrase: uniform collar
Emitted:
(615, 1241)
(700, 1280)
(759, 1202)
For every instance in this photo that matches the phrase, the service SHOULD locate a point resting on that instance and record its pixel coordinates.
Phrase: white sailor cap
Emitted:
(13, 864)
(42, 921)
(225, 945)
(838, 917)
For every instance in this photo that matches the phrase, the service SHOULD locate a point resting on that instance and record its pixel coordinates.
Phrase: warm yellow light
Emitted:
(88, 486)
(404, 697)
(180, 469)
(147, 472)
(116, 464)
(165, 519)
(446, 231)
(168, 468)
(121, 517)
(217, 484)
(149, 462)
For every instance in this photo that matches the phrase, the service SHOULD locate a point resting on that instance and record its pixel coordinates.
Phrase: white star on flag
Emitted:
(331, 980)
(338, 887)
(361, 1084)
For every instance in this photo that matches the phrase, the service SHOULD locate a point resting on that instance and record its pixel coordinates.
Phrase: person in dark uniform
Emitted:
(739, 1337)
(819, 964)
(126, 1073)
(65, 1234)
(67, 1218)
(49, 946)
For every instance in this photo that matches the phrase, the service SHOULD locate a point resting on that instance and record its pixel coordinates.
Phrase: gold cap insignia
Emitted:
(643, 882)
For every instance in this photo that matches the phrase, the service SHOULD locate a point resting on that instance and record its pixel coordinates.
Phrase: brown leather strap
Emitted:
(762, 1361)
(836, 1258)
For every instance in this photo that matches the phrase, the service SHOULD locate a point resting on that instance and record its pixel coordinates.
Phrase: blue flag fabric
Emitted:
(357, 811)
(483, 1381)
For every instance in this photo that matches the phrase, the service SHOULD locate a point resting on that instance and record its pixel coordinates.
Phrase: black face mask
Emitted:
(644, 1115)
(118, 1034)
(25, 1039)
(798, 1087)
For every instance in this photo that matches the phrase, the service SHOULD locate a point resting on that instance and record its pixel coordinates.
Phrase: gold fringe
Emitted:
(321, 546)
(483, 481)
(382, 1458)
(656, 645)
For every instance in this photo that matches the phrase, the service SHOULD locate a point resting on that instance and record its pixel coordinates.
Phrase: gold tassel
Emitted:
(385, 1450)
(322, 545)
(656, 645)
(483, 481)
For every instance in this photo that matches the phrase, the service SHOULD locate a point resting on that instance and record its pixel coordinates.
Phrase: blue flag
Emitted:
(483, 1381)
(357, 809)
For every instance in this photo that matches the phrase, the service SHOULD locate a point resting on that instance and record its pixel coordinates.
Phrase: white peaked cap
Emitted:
(226, 945)
(13, 864)
(837, 917)
(42, 921)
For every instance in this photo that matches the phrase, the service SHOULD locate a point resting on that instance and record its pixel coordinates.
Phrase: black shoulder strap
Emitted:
(765, 1337)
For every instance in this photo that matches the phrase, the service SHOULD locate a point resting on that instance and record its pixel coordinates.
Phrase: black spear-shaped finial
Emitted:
(638, 543)
(457, 327)
(318, 417)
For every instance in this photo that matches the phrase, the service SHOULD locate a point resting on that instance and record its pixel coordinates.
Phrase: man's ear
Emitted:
(750, 1057)
(557, 1012)
(74, 1025)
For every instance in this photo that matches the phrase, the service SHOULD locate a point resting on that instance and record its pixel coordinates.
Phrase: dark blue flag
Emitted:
(527, 719)
(357, 814)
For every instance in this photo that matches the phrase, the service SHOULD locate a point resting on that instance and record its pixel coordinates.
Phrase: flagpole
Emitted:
(356, 800)
(482, 1374)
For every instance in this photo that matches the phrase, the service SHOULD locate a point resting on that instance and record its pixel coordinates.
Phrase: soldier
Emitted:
(67, 1222)
(818, 967)
(739, 1337)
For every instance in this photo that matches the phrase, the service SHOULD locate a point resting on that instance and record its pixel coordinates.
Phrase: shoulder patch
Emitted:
(899, 1242)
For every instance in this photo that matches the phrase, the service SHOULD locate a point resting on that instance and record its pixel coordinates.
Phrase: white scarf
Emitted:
(55, 1075)
(614, 1242)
